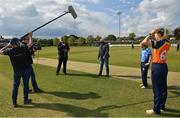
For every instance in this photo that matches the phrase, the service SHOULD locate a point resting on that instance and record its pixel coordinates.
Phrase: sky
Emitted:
(95, 17)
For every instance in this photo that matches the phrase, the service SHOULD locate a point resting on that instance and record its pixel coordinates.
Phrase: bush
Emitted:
(55, 41)
(71, 41)
(89, 40)
(81, 41)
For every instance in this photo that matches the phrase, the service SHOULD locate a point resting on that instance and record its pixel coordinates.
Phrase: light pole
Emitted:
(119, 14)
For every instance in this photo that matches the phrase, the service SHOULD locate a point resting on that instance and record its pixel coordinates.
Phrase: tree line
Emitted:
(74, 40)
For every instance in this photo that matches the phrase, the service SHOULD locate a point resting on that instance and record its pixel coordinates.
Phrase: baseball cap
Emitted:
(163, 31)
(104, 39)
(14, 41)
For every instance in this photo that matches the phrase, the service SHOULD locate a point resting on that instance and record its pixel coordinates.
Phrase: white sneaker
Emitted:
(143, 87)
(162, 111)
(150, 112)
(140, 85)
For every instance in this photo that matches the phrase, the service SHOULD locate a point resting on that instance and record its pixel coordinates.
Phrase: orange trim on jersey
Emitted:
(159, 55)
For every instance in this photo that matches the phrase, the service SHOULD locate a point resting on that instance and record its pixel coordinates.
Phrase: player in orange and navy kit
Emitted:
(160, 46)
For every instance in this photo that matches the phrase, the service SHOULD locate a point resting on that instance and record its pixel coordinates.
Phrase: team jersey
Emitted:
(160, 49)
(145, 54)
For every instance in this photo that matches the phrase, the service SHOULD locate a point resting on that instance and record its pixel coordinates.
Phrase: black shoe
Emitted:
(15, 105)
(100, 75)
(163, 109)
(28, 101)
(30, 90)
(38, 90)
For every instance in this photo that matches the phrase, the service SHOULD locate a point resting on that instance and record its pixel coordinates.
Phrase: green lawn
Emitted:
(80, 94)
(121, 56)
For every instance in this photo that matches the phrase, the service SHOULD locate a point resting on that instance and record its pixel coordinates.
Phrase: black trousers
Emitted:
(64, 61)
(144, 73)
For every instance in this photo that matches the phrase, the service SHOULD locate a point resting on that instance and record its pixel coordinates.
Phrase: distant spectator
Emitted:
(63, 49)
(103, 56)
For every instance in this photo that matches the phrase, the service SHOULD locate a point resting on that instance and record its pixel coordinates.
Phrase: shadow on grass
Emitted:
(77, 111)
(82, 75)
(74, 111)
(171, 112)
(174, 87)
(177, 93)
(75, 95)
(129, 76)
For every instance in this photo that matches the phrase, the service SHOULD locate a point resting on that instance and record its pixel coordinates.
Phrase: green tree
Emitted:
(90, 40)
(98, 38)
(132, 36)
(112, 37)
(65, 38)
(177, 36)
(177, 33)
(71, 41)
(81, 41)
(35, 39)
(55, 41)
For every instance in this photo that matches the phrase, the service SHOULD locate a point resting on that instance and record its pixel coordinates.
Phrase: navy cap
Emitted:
(161, 30)
(14, 41)
(104, 39)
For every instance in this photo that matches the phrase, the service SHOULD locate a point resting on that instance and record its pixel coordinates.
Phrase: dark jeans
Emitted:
(102, 61)
(144, 73)
(64, 61)
(33, 78)
(25, 74)
(159, 83)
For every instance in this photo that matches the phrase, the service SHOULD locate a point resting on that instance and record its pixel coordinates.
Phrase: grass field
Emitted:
(121, 56)
(80, 94)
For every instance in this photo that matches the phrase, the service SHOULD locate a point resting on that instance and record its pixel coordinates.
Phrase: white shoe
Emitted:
(150, 112)
(162, 111)
(140, 85)
(143, 87)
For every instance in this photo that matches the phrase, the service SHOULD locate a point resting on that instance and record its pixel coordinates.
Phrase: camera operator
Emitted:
(18, 56)
(63, 49)
(32, 50)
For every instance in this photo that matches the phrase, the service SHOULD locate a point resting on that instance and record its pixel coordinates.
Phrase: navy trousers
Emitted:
(25, 74)
(102, 61)
(159, 84)
(144, 73)
(60, 61)
(33, 78)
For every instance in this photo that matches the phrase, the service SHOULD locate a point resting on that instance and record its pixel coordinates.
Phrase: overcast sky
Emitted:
(95, 17)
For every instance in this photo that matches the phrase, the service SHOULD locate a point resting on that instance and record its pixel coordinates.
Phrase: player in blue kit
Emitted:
(145, 62)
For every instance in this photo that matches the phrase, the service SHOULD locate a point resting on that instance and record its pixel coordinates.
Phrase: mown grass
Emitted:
(120, 56)
(80, 95)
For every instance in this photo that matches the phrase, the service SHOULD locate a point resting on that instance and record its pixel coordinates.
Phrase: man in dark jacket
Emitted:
(31, 52)
(103, 56)
(63, 49)
(18, 56)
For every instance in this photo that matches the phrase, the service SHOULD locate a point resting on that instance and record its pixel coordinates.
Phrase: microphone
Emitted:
(72, 11)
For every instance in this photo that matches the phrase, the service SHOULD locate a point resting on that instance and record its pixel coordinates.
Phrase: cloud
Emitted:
(95, 1)
(152, 14)
(18, 19)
